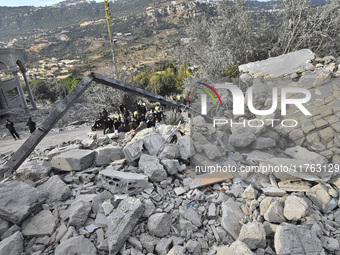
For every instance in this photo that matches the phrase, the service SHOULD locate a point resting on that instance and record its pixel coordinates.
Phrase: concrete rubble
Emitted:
(133, 193)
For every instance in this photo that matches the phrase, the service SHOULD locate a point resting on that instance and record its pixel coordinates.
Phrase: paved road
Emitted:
(8, 144)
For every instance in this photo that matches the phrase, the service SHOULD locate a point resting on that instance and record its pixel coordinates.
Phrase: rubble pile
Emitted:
(187, 189)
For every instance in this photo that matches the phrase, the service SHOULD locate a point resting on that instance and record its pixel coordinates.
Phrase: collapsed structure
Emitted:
(138, 193)
(11, 91)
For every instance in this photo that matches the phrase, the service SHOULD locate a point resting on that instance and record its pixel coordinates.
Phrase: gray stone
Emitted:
(74, 160)
(149, 242)
(33, 170)
(330, 244)
(58, 151)
(123, 182)
(163, 246)
(76, 245)
(172, 166)
(103, 155)
(274, 213)
(273, 191)
(177, 250)
(159, 224)
(100, 220)
(295, 208)
(241, 140)
(122, 221)
(263, 143)
(193, 247)
(133, 150)
(56, 189)
(186, 147)
(212, 151)
(278, 66)
(149, 208)
(18, 199)
(78, 213)
(191, 215)
(321, 198)
(212, 211)
(301, 153)
(135, 242)
(152, 168)
(179, 191)
(239, 248)
(290, 239)
(231, 215)
(250, 192)
(153, 143)
(4, 226)
(170, 151)
(41, 224)
(13, 245)
(61, 230)
(10, 231)
(253, 235)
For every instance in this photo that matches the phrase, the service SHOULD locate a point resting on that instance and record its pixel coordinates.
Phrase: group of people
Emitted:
(10, 126)
(125, 120)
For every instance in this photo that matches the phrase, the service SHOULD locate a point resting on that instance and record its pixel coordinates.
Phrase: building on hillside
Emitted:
(12, 65)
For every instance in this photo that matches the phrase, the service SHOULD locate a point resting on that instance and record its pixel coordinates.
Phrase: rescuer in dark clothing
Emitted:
(10, 127)
(31, 125)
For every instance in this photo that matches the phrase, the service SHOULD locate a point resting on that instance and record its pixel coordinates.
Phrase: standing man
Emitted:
(31, 125)
(189, 98)
(11, 129)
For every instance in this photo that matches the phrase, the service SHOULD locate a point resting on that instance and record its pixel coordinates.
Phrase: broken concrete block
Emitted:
(76, 245)
(74, 160)
(193, 247)
(41, 224)
(58, 150)
(231, 215)
(263, 143)
(170, 151)
(33, 170)
(4, 226)
(13, 245)
(163, 246)
(122, 221)
(92, 135)
(274, 213)
(103, 155)
(177, 250)
(294, 185)
(133, 150)
(212, 151)
(159, 224)
(123, 182)
(10, 231)
(241, 140)
(253, 235)
(179, 191)
(321, 198)
(191, 215)
(56, 189)
(149, 208)
(273, 191)
(290, 239)
(78, 213)
(172, 166)
(18, 200)
(239, 248)
(152, 168)
(212, 211)
(149, 242)
(186, 147)
(153, 143)
(250, 192)
(295, 208)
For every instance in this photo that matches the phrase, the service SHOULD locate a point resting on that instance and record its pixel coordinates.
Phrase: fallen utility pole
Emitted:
(29, 145)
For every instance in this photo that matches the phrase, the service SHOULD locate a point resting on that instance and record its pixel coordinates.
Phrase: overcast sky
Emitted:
(31, 2)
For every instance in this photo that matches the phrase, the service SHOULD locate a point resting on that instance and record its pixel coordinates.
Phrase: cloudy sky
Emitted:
(31, 2)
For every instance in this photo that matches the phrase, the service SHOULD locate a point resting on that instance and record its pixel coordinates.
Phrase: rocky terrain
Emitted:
(141, 192)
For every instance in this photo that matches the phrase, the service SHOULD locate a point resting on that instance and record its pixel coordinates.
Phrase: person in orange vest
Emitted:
(189, 98)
